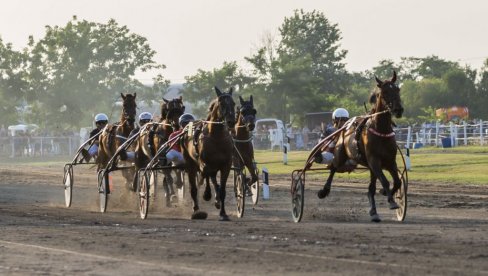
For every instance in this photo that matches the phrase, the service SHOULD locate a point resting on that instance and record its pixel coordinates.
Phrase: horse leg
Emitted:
(192, 175)
(224, 174)
(168, 188)
(326, 190)
(378, 172)
(217, 190)
(207, 194)
(371, 192)
(397, 182)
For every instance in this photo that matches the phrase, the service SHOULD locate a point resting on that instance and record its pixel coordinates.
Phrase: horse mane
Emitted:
(211, 107)
(164, 111)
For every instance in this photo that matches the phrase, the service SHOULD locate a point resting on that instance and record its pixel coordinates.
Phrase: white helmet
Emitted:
(340, 113)
(145, 116)
(101, 117)
(185, 119)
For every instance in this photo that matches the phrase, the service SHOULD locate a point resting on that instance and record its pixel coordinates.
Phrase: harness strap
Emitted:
(384, 135)
(243, 141)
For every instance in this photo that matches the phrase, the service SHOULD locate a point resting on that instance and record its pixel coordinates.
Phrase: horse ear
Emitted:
(394, 77)
(181, 98)
(250, 99)
(122, 95)
(231, 90)
(217, 90)
(135, 94)
(166, 101)
(241, 100)
(380, 83)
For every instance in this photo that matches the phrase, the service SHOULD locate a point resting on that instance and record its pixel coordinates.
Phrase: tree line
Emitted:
(79, 69)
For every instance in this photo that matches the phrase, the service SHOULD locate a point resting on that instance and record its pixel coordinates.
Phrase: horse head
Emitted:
(247, 113)
(173, 110)
(129, 108)
(223, 108)
(388, 96)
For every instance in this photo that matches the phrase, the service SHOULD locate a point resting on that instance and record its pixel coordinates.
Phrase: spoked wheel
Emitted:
(180, 187)
(297, 198)
(153, 182)
(401, 196)
(68, 184)
(255, 188)
(103, 189)
(144, 193)
(239, 191)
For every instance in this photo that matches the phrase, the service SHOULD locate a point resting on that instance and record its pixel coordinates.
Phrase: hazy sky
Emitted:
(202, 34)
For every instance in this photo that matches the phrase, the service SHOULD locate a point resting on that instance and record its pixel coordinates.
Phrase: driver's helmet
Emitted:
(340, 114)
(144, 118)
(185, 119)
(101, 118)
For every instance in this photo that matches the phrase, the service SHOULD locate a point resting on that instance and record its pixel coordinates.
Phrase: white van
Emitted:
(269, 134)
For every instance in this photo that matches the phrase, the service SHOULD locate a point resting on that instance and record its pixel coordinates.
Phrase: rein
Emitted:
(243, 141)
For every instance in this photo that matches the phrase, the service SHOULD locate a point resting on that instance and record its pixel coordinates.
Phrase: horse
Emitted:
(113, 135)
(242, 133)
(371, 142)
(212, 151)
(155, 134)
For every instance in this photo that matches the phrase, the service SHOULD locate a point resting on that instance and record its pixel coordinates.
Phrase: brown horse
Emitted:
(212, 151)
(155, 134)
(376, 147)
(246, 117)
(113, 135)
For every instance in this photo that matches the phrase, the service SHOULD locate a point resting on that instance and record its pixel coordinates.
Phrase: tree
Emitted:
(304, 68)
(199, 88)
(81, 68)
(13, 83)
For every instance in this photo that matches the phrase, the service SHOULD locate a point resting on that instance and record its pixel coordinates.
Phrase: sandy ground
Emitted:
(445, 232)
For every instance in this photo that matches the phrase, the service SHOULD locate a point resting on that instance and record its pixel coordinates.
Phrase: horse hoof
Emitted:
(207, 196)
(173, 199)
(382, 192)
(224, 218)
(393, 205)
(323, 193)
(375, 218)
(217, 204)
(199, 215)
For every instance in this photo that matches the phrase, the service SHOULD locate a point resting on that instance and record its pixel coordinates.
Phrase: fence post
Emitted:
(451, 133)
(481, 133)
(437, 133)
(409, 136)
(465, 133)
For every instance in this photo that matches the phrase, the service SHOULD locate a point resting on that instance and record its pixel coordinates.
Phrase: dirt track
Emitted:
(445, 232)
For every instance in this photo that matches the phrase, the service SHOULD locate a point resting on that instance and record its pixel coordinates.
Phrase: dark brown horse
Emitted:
(376, 147)
(155, 134)
(113, 135)
(246, 117)
(212, 152)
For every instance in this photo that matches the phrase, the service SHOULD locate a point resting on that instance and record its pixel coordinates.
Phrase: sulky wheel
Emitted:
(144, 179)
(255, 187)
(180, 187)
(103, 189)
(401, 196)
(297, 198)
(239, 191)
(153, 183)
(68, 184)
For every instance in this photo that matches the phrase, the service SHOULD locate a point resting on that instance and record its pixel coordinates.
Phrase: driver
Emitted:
(101, 120)
(339, 117)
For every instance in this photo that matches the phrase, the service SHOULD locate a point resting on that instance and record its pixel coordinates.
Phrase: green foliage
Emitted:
(81, 68)
(13, 83)
(199, 88)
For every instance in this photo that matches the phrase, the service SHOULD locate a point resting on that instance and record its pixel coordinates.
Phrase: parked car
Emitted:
(269, 134)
